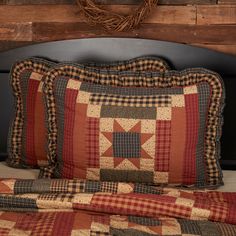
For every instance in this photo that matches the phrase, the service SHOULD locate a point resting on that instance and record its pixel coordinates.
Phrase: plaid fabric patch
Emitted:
(39, 224)
(137, 64)
(76, 186)
(163, 145)
(189, 174)
(126, 145)
(23, 186)
(93, 142)
(144, 221)
(92, 187)
(136, 101)
(109, 187)
(143, 207)
(141, 188)
(101, 102)
(12, 202)
(61, 186)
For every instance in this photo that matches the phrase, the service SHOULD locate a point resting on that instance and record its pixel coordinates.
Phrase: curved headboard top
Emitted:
(179, 56)
(106, 49)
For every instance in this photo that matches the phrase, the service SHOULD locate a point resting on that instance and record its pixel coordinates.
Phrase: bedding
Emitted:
(79, 207)
(164, 132)
(27, 136)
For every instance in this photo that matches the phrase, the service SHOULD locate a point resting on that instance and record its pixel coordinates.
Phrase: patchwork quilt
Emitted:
(88, 208)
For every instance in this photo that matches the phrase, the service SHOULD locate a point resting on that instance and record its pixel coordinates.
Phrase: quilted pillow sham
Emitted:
(165, 132)
(27, 134)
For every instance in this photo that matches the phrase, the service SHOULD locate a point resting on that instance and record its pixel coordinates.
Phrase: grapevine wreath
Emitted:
(113, 21)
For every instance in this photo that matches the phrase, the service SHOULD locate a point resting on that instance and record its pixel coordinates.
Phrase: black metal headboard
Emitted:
(111, 49)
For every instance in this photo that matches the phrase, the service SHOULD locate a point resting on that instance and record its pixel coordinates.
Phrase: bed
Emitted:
(54, 212)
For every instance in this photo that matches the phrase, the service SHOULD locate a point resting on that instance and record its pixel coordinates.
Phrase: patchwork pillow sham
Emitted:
(27, 134)
(159, 129)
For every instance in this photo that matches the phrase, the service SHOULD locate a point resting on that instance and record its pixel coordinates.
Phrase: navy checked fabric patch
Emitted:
(127, 145)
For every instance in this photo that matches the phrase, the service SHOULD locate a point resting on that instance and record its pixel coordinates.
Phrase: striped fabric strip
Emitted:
(70, 100)
(192, 122)
(40, 131)
(163, 145)
(30, 128)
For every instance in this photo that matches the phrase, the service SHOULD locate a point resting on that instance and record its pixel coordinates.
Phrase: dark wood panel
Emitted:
(16, 31)
(226, 1)
(216, 14)
(215, 34)
(69, 13)
(171, 2)
(186, 21)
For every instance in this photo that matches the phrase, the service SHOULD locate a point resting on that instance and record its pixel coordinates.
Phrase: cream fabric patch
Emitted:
(163, 113)
(161, 177)
(100, 227)
(80, 232)
(177, 101)
(106, 124)
(184, 202)
(169, 230)
(7, 224)
(93, 173)
(125, 188)
(106, 163)
(148, 126)
(18, 232)
(147, 164)
(199, 214)
(36, 76)
(53, 203)
(93, 111)
(119, 222)
(73, 84)
(40, 88)
(83, 97)
(83, 198)
(190, 89)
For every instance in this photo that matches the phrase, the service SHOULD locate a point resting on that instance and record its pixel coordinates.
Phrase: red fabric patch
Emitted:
(69, 119)
(30, 127)
(134, 205)
(39, 223)
(163, 143)
(63, 223)
(192, 125)
(93, 142)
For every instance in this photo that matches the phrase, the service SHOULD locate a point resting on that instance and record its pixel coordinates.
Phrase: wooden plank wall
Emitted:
(207, 23)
